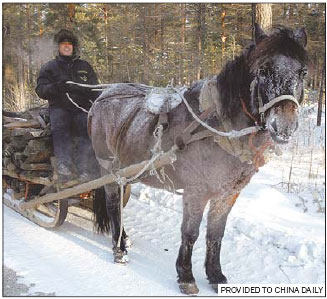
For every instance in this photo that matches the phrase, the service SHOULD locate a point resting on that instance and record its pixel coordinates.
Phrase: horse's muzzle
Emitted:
(282, 121)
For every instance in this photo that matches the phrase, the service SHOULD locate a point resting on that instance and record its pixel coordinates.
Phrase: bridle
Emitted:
(258, 158)
(263, 108)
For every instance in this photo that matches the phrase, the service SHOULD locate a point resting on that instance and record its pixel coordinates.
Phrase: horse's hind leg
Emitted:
(114, 213)
(217, 217)
(193, 206)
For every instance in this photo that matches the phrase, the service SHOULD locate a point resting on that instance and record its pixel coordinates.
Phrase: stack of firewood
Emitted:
(27, 145)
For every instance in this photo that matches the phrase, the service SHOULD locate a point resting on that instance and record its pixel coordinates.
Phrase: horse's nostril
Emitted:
(274, 125)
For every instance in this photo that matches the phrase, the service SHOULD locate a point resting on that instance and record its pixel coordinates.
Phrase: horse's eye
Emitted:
(263, 72)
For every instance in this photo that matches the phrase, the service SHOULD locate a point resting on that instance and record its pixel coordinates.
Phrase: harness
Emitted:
(243, 149)
(264, 107)
(224, 135)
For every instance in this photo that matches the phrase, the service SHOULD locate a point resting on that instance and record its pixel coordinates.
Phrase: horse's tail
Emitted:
(100, 211)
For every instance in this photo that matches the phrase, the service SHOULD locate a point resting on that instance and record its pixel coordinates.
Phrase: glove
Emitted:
(85, 92)
(60, 86)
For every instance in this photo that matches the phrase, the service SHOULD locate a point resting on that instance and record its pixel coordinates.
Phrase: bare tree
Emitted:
(264, 15)
(321, 93)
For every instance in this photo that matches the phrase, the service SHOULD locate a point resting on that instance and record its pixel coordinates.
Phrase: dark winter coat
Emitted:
(66, 69)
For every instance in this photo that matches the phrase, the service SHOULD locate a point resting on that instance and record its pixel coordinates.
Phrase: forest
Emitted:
(146, 43)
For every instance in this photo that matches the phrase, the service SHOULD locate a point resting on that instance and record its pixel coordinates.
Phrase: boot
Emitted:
(64, 172)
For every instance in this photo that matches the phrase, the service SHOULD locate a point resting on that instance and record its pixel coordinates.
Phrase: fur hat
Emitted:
(65, 35)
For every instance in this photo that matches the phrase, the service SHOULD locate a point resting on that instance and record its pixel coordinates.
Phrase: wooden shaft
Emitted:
(166, 158)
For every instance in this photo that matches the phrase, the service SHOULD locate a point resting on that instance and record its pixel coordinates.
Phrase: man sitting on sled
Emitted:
(68, 106)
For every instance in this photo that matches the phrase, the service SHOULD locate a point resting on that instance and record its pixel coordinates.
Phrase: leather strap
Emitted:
(273, 102)
(163, 120)
(187, 137)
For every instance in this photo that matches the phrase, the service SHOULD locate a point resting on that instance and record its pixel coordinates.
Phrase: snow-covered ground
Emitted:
(275, 234)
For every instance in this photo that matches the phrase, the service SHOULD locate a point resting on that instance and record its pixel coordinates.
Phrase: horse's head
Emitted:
(278, 63)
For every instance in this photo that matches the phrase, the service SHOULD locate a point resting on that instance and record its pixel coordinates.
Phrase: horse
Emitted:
(262, 87)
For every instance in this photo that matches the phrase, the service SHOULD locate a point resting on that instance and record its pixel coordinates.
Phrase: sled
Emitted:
(49, 207)
(28, 170)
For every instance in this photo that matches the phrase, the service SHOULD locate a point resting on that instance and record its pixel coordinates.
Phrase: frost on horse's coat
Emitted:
(120, 126)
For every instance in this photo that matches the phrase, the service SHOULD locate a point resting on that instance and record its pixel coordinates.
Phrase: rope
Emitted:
(245, 110)
(99, 86)
(76, 105)
(230, 134)
(122, 181)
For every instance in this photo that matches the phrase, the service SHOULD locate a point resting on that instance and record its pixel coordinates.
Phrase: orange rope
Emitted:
(246, 111)
(26, 190)
(258, 157)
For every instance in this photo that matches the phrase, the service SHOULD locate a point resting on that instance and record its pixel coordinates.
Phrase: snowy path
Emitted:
(267, 240)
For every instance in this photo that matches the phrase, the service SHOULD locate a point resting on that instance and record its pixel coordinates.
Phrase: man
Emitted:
(64, 115)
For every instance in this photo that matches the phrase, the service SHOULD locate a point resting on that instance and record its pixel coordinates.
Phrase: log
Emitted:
(18, 143)
(35, 114)
(37, 145)
(23, 124)
(35, 180)
(27, 145)
(23, 114)
(36, 166)
(9, 164)
(18, 157)
(27, 133)
(8, 150)
(7, 119)
(38, 156)
(6, 134)
(165, 159)
(35, 173)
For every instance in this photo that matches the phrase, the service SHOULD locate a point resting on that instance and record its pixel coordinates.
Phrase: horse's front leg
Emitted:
(114, 214)
(193, 206)
(217, 217)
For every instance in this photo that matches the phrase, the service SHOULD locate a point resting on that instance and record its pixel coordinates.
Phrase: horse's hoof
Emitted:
(188, 288)
(222, 280)
(215, 287)
(120, 257)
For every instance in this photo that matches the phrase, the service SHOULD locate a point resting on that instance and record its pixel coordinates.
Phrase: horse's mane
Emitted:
(233, 82)
(234, 79)
(281, 41)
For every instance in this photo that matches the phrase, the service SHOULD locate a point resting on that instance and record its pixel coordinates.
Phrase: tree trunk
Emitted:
(144, 73)
(223, 36)
(253, 19)
(181, 60)
(264, 15)
(71, 15)
(29, 31)
(201, 38)
(107, 42)
(313, 85)
(321, 94)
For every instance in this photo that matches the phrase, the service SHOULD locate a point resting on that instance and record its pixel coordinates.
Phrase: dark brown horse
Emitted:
(260, 87)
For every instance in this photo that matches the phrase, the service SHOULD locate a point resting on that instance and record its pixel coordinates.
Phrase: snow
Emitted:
(272, 236)
(163, 99)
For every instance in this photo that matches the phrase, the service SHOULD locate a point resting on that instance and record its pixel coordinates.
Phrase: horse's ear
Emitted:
(300, 36)
(259, 34)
